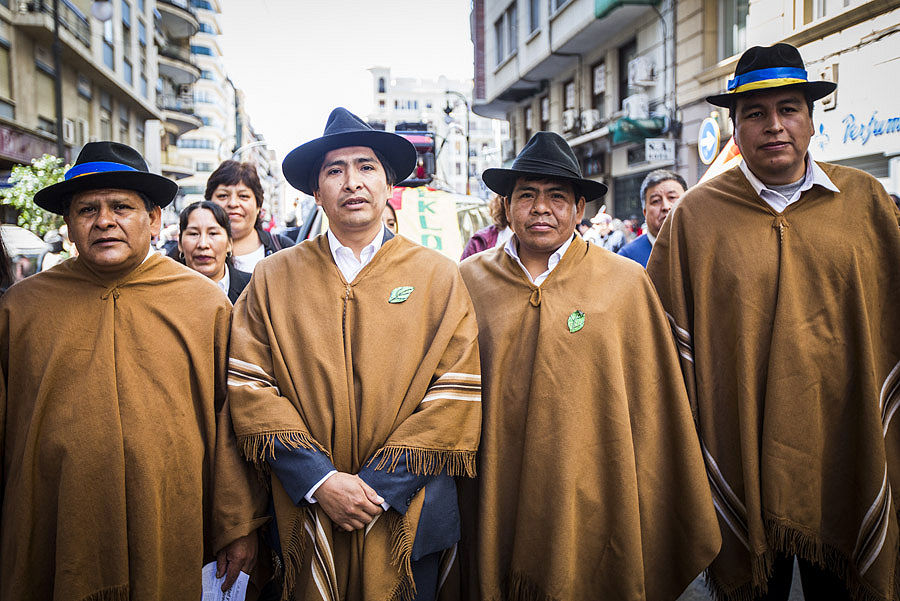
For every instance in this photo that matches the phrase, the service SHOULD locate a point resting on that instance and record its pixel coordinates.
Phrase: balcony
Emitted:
(177, 19)
(70, 18)
(175, 64)
(178, 111)
(175, 165)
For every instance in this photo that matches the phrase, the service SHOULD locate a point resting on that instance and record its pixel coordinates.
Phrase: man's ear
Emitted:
(155, 221)
(316, 196)
(579, 209)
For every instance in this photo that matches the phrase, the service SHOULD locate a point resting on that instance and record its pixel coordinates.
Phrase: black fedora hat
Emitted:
(346, 129)
(766, 67)
(546, 154)
(107, 165)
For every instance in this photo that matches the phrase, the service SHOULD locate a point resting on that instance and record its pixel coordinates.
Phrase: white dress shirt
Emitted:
(225, 282)
(350, 266)
(552, 262)
(814, 176)
(346, 261)
(248, 262)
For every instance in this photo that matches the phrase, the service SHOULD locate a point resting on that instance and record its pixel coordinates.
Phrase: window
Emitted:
(126, 13)
(569, 94)
(626, 52)
(534, 15)
(201, 4)
(506, 33)
(109, 53)
(196, 143)
(206, 120)
(141, 6)
(202, 96)
(105, 120)
(381, 104)
(143, 85)
(5, 72)
(381, 85)
(818, 9)
(204, 50)
(123, 125)
(732, 27)
(545, 113)
(598, 88)
(207, 28)
(203, 166)
(142, 33)
(207, 74)
(46, 102)
(558, 4)
(127, 72)
(529, 122)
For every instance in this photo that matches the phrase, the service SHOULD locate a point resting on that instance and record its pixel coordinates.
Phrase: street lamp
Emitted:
(449, 109)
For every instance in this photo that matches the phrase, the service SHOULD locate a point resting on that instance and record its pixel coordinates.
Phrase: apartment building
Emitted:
(442, 105)
(107, 72)
(598, 72)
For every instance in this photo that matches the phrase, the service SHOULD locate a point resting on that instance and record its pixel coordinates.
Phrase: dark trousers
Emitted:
(425, 575)
(818, 584)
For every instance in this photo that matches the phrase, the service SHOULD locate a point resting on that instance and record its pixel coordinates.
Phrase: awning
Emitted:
(636, 130)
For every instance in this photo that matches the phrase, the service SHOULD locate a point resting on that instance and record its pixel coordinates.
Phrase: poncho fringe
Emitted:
(426, 462)
(522, 589)
(260, 447)
(294, 552)
(113, 593)
(402, 539)
(789, 540)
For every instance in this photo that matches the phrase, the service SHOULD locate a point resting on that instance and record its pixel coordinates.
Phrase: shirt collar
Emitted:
(225, 282)
(369, 249)
(651, 238)
(813, 176)
(552, 262)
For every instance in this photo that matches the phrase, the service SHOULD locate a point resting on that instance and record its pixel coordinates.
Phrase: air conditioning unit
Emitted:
(68, 131)
(640, 72)
(569, 119)
(636, 106)
(590, 120)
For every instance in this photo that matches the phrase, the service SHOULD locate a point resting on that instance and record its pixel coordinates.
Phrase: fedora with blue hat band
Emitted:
(344, 129)
(107, 165)
(767, 67)
(546, 155)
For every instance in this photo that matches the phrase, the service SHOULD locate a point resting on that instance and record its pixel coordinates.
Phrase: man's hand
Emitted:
(348, 501)
(237, 557)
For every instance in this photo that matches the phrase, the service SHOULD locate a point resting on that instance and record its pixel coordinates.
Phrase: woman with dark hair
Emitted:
(205, 244)
(493, 235)
(235, 187)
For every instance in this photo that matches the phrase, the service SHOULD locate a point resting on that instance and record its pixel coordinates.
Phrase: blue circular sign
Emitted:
(708, 140)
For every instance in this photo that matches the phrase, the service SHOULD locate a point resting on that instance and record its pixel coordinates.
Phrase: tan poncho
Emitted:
(789, 330)
(121, 477)
(590, 480)
(320, 363)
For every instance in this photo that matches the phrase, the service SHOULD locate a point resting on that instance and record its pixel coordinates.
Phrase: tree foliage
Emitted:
(26, 180)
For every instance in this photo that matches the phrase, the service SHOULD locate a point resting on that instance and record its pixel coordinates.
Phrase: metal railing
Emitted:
(70, 17)
(175, 102)
(178, 53)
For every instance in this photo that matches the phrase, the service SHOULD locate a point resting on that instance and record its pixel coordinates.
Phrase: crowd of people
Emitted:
(565, 414)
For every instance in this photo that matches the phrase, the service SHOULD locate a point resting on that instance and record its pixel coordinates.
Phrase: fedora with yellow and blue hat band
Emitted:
(107, 165)
(763, 68)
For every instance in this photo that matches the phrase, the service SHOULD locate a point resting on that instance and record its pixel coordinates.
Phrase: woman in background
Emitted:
(389, 218)
(205, 245)
(235, 187)
(493, 235)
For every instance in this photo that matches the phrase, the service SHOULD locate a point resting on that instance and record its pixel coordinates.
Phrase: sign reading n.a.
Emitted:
(659, 149)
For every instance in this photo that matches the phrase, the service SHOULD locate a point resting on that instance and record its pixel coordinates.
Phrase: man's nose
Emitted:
(105, 218)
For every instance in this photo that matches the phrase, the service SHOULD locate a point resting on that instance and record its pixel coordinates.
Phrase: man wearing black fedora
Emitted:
(590, 480)
(121, 477)
(354, 382)
(774, 278)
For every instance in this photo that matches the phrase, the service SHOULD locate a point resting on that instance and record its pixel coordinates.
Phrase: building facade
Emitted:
(598, 72)
(442, 105)
(107, 74)
(855, 43)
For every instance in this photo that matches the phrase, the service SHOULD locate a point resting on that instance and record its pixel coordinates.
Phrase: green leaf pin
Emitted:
(576, 321)
(400, 294)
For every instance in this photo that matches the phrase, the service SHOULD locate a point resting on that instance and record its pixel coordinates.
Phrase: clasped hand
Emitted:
(348, 501)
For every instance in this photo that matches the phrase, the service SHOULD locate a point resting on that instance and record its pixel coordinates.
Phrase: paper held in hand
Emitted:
(212, 586)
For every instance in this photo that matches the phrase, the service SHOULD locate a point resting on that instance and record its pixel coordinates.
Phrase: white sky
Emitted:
(296, 60)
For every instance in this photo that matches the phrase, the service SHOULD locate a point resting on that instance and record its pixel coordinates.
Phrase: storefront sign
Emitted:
(22, 147)
(862, 131)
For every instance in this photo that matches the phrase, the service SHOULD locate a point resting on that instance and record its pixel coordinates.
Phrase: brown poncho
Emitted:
(788, 326)
(590, 480)
(121, 477)
(320, 363)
